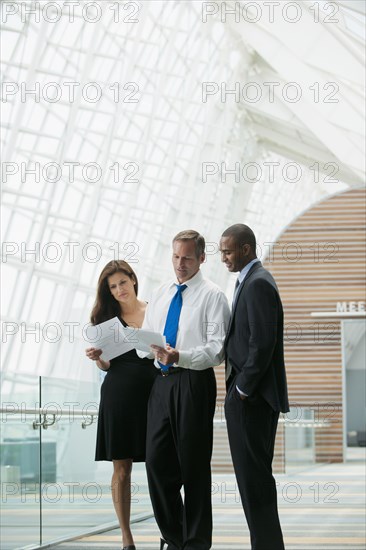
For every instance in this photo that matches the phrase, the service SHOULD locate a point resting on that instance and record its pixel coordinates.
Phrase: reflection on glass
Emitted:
(20, 462)
(299, 439)
(77, 497)
(51, 484)
(354, 353)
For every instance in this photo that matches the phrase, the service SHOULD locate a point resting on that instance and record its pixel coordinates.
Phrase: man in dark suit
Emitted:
(256, 384)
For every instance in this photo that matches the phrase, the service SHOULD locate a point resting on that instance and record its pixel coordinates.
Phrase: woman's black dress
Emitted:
(122, 415)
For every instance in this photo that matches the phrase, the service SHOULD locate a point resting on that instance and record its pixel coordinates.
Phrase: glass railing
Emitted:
(299, 432)
(52, 489)
(20, 450)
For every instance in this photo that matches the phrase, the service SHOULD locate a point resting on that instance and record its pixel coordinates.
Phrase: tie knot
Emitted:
(180, 288)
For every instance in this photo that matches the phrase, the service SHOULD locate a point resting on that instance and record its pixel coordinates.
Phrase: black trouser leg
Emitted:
(195, 435)
(180, 415)
(163, 470)
(252, 426)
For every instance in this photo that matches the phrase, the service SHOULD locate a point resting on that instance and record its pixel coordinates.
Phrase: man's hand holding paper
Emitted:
(167, 355)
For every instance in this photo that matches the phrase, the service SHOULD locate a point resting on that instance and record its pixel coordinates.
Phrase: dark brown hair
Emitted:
(105, 305)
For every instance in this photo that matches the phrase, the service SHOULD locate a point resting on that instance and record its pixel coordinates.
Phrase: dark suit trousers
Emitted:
(178, 453)
(252, 425)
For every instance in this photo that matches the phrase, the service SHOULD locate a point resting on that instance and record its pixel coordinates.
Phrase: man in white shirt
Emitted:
(193, 314)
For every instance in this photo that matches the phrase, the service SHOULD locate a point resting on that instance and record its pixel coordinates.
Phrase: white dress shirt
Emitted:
(203, 321)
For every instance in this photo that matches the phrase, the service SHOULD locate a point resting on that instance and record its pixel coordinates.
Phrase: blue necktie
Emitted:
(172, 320)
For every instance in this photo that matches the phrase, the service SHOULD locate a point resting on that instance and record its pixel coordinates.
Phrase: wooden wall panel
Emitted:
(318, 260)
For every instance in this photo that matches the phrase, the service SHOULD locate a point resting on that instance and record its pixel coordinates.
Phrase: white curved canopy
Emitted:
(140, 119)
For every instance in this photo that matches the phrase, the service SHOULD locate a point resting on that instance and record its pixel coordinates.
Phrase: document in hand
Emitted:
(114, 339)
(110, 337)
(143, 339)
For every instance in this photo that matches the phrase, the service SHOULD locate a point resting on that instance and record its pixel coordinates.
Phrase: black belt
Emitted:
(170, 370)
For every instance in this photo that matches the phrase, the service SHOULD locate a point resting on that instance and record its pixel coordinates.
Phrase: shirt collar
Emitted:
(194, 281)
(244, 272)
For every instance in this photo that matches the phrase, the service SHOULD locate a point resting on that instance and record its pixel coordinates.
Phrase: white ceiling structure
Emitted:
(126, 122)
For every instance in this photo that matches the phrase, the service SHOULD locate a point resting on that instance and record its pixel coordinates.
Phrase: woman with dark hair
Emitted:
(125, 390)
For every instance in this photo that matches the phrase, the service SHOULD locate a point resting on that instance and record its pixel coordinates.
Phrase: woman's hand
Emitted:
(94, 354)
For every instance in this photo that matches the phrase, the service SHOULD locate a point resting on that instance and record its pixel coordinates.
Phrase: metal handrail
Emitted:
(90, 417)
(290, 423)
(55, 413)
(304, 423)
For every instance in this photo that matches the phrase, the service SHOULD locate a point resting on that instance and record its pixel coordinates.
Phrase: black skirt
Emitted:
(122, 416)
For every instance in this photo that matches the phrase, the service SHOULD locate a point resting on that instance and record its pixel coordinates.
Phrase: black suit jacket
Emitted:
(254, 339)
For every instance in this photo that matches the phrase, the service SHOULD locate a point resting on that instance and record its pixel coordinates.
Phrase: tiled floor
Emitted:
(322, 508)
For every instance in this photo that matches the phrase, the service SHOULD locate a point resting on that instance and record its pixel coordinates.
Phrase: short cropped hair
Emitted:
(242, 234)
(191, 235)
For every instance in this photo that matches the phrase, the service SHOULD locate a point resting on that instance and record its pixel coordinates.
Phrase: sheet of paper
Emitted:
(111, 337)
(144, 338)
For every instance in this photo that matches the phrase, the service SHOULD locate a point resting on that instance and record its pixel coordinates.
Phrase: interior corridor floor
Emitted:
(322, 508)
